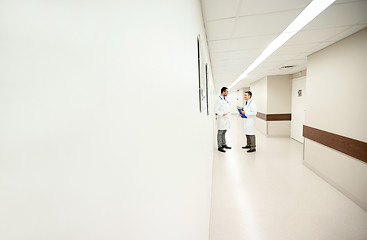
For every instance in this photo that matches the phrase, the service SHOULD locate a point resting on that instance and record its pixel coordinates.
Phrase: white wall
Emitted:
(336, 102)
(240, 96)
(259, 91)
(81, 156)
(232, 99)
(300, 74)
(273, 96)
(279, 102)
(279, 94)
(279, 128)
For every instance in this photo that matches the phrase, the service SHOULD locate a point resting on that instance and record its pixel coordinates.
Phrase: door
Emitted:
(298, 108)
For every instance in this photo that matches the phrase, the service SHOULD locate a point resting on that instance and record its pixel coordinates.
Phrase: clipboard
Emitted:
(239, 110)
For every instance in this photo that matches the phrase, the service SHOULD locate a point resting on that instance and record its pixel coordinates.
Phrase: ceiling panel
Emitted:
(345, 14)
(218, 66)
(219, 56)
(220, 30)
(250, 7)
(279, 58)
(219, 46)
(230, 68)
(229, 71)
(318, 35)
(292, 49)
(219, 63)
(228, 79)
(255, 42)
(244, 54)
(240, 62)
(320, 46)
(260, 25)
(219, 9)
(349, 31)
(239, 30)
(225, 77)
(238, 55)
(347, 1)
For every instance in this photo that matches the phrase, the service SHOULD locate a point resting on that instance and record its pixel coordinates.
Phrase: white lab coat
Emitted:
(250, 111)
(221, 107)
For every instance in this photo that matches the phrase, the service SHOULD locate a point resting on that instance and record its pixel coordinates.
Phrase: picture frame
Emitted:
(201, 77)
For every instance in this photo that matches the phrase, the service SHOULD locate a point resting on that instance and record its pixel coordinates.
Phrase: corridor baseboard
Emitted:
(337, 186)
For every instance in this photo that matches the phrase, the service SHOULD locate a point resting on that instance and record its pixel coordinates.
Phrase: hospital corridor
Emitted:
(272, 195)
(183, 120)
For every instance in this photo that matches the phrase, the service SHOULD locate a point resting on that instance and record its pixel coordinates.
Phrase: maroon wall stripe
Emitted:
(261, 115)
(274, 117)
(279, 117)
(349, 146)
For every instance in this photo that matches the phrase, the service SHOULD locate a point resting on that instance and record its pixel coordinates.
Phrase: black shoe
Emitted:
(251, 150)
(221, 149)
(226, 147)
(246, 147)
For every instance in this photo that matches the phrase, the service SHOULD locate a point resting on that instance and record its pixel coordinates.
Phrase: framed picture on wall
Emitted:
(201, 75)
(206, 89)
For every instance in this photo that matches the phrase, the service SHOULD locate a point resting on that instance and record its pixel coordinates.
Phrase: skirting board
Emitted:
(335, 185)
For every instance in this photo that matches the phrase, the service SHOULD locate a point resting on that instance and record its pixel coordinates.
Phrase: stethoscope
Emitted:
(223, 99)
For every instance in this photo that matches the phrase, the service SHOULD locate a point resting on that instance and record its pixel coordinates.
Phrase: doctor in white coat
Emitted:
(250, 111)
(221, 108)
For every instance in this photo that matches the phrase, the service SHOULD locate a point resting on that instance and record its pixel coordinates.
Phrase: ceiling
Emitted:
(239, 30)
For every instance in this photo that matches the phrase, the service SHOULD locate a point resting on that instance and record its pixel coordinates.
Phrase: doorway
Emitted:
(298, 108)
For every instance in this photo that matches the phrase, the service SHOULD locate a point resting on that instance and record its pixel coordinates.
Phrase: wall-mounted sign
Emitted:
(299, 93)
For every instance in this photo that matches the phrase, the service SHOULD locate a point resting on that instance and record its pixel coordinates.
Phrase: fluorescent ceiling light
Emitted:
(307, 15)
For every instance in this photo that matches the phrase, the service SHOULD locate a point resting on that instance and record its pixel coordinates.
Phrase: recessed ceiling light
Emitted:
(287, 67)
(307, 15)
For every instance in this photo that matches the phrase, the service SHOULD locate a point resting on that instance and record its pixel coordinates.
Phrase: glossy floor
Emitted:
(271, 195)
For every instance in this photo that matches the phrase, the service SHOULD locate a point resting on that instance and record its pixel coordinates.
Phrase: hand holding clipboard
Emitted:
(240, 111)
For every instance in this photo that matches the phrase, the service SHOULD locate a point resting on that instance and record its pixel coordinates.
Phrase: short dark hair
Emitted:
(249, 93)
(223, 89)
